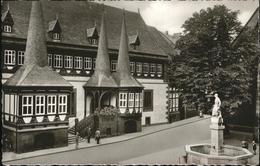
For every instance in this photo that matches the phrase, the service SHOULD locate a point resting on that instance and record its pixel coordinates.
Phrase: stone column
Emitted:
(217, 137)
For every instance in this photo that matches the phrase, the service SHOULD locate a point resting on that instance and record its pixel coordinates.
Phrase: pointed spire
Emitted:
(123, 74)
(102, 61)
(36, 50)
(57, 16)
(123, 67)
(102, 76)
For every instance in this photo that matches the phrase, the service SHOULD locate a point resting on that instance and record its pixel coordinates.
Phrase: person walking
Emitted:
(97, 136)
(88, 134)
(77, 140)
(254, 147)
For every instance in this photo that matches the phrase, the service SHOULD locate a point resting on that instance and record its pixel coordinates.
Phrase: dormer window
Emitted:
(55, 30)
(7, 28)
(56, 36)
(92, 36)
(7, 22)
(134, 41)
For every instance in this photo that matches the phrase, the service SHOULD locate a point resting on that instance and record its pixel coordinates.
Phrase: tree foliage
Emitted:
(210, 62)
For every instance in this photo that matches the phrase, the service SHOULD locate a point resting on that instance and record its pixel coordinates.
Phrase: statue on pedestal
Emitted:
(216, 106)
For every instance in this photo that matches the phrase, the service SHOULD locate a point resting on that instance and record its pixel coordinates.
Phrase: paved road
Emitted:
(116, 153)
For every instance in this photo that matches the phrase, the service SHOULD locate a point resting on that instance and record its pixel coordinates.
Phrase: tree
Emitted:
(208, 62)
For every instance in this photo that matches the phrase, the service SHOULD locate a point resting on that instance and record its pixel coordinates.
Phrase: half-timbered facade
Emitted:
(36, 99)
(72, 51)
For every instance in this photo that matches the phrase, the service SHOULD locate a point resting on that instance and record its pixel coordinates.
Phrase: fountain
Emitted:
(216, 152)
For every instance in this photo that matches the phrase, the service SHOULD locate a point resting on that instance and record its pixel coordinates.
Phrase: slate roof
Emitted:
(133, 39)
(77, 16)
(91, 32)
(165, 44)
(35, 71)
(54, 25)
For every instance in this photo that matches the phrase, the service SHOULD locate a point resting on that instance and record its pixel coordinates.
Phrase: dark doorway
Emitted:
(147, 120)
(130, 126)
(44, 140)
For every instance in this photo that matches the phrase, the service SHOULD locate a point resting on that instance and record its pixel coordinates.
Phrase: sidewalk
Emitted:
(9, 156)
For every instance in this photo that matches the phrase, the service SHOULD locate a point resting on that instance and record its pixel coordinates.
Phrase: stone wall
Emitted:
(30, 140)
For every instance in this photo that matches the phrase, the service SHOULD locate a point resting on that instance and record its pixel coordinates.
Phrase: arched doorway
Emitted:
(130, 126)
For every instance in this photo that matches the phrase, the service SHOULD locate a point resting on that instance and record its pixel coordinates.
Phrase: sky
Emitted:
(169, 15)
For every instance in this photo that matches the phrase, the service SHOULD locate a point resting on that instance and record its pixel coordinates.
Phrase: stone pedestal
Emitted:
(217, 137)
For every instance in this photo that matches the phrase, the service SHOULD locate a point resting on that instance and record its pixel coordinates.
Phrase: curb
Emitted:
(96, 145)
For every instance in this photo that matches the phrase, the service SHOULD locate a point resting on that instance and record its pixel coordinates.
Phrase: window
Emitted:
(113, 65)
(56, 36)
(122, 99)
(27, 105)
(20, 57)
(87, 63)
(68, 61)
(40, 105)
(94, 63)
(147, 120)
(132, 67)
(50, 60)
(51, 104)
(9, 57)
(159, 69)
(94, 41)
(137, 99)
(7, 28)
(173, 100)
(152, 68)
(146, 68)
(148, 100)
(78, 62)
(62, 103)
(139, 67)
(131, 100)
(57, 61)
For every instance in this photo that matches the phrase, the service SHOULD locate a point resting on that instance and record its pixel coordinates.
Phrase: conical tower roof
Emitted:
(123, 75)
(35, 71)
(102, 76)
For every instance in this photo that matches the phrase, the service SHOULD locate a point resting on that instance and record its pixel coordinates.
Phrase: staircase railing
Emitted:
(83, 125)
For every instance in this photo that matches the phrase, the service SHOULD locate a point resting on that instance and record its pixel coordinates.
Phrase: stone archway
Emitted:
(130, 126)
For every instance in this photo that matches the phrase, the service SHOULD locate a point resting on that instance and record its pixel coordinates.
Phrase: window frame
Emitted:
(139, 67)
(113, 65)
(9, 57)
(50, 60)
(78, 62)
(42, 105)
(132, 67)
(152, 68)
(159, 68)
(58, 58)
(87, 63)
(7, 28)
(56, 36)
(27, 105)
(52, 105)
(145, 68)
(122, 99)
(68, 62)
(20, 57)
(62, 104)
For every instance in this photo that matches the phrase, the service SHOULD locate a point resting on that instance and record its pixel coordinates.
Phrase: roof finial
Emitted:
(95, 23)
(123, 12)
(138, 9)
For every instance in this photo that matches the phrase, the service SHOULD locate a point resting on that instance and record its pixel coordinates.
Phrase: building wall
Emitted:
(158, 114)
(78, 83)
(258, 93)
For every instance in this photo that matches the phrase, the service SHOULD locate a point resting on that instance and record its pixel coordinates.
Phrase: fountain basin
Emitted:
(200, 154)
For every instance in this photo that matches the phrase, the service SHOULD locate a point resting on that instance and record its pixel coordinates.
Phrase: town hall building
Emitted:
(70, 62)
